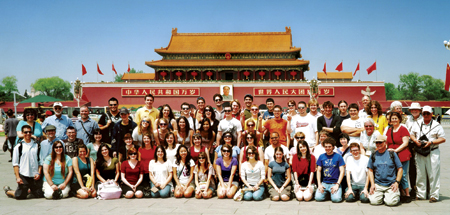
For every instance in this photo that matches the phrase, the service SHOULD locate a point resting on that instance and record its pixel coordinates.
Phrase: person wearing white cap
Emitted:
(61, 122)
(429, 134)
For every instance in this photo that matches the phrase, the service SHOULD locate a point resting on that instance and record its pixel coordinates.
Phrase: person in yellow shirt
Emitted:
(375, 111)
(147, 110)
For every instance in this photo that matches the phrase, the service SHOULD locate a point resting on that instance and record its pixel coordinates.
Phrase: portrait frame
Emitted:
(230, 93)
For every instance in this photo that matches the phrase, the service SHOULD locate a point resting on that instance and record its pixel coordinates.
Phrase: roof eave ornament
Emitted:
(174, 31)
(288, 30)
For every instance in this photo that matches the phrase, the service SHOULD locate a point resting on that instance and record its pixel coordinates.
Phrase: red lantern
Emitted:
(246, 73)
(293, 73)
(178, 74)
(163, 74)
(194, 74)
(209, 74)
(262, 73)
(277, 73)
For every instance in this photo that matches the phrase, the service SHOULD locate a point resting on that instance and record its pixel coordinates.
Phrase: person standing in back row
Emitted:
(147, 110)
(109, 119)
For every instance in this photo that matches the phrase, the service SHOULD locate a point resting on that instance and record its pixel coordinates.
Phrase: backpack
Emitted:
(38, 151)
(391, 155)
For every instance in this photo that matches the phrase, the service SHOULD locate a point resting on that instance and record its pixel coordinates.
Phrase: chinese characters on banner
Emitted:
(161, 91)
(323, 91)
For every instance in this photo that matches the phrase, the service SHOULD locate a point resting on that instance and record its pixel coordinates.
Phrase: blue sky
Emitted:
(52, 38)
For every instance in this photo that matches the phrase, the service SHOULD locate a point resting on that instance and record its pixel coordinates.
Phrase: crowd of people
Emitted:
(232, 152)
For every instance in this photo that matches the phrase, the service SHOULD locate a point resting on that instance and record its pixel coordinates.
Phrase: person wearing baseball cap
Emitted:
(122, 127)
(413, 119)
(60, 121)
(385, 173)
(428, 134)
(46, 145)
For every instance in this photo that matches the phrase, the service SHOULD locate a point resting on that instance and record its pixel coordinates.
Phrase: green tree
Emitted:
(410, 86)
(118, 77)
(54, 87)
(8, 87)
(433, 89)
(391, 92)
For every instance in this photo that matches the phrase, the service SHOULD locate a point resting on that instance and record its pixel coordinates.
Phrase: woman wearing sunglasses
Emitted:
(163, 129)
(204, 181)
(30, 117)
(167, 113)
(253, 173)
(227, 138)
(145, 127)
(132, 174)
(250, 140)
(226, 167)
(58, 172)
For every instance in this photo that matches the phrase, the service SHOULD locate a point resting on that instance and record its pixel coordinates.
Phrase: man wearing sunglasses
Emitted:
(229, 124)
(428, 133)
(218, 100)
(185, 111)
(302, 122)
(108, 119)
(61, 122)
(26, 168)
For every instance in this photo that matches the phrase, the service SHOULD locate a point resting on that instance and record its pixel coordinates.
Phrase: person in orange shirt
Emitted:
(277, 124)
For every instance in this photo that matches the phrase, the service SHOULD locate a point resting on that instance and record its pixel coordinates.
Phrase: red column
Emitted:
(202, 75)
(156, 75)
(270, 75)
(254, 75)
(171, 75)
(285, 75)
(239, 75)
(217, 75)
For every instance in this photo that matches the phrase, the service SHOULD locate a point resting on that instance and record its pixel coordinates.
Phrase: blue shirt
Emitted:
(385, 171)
(269, 115)
(37, 129)
(61, 125)
(46, 149)
(279, 172)
(57, 176)
(330, 167)
(89, 125)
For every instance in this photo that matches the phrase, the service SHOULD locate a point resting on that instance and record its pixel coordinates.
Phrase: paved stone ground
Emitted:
(214, 205)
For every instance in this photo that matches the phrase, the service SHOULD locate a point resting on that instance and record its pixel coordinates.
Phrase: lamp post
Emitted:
(447, 44)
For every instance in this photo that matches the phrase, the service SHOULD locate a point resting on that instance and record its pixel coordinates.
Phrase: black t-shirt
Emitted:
(106, 133)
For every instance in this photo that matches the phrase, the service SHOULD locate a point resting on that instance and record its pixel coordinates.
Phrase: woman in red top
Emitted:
(145, 155)
(303, 167)
(397, 140)
(197, 147)
(132, 175)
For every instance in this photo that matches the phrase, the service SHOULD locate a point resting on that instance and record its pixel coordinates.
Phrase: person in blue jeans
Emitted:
(357, 177)
(160, 171)
(253, 173)
(331, 166)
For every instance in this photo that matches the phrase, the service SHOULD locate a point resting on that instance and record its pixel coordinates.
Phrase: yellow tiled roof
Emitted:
(335, 75)
(225, 63)
(248, 42)
(138, 76)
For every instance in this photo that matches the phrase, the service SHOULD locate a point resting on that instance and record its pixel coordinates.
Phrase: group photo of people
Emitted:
(309, 152)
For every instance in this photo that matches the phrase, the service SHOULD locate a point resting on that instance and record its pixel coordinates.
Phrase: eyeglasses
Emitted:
(201, 158)
(217, 100)
(300, 138)
(132, 153)
(27, 132)
(301, 107)
(112, 105)
(208, 110)
(291, 105)
(162, 124)
(368, 126)
(250, 153)
(225, 151)
(227, 136)
(58, 147)
(251, 125)
(185, 108)
(227, 111)
(57, 108)
(145, 121)
(249, 138)
(426, 113)
(254, 109)
(355, 150)
(274, 138)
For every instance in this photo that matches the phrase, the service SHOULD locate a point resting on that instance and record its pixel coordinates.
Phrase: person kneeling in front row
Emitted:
(357, 179)
(333, 173)
(385, 172)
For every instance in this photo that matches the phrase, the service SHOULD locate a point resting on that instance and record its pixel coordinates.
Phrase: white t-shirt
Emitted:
(160, 171)
(255, 174)
(369, 142)
(269, 152)
(319, 149)
(183, 172)
(358, 169)
(359, 123)
(315, 116)
(306, 124)
(232, 126)
(171, 153)
(362, 114)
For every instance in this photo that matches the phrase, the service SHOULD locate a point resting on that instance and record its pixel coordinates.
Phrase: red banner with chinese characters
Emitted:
(323, 91)
(161, 91)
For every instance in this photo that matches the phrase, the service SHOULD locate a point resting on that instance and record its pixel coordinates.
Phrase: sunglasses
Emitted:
(208, 110)
(251, 125)
(112, 105)
(162, 124)
(301, 107)
(185, 108)
(274, 138)
(58, 108)
(145, 121)
(227, 111)
(250, 153)
(58, 147)
(227, 136)
(426, 113)
(300, 138)
(217, 100)
(201, 158)
(133, 153)
(249, 138)
(291, 105)
(254, 109)
(223, 151)
(27, 132)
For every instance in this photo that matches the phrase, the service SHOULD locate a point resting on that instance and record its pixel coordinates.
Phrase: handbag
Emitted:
(420, 149)
(108, 190)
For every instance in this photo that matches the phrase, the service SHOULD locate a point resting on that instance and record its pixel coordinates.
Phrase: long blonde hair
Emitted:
(149, 128)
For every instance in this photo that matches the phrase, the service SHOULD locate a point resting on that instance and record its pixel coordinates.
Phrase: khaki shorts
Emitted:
(286, 191)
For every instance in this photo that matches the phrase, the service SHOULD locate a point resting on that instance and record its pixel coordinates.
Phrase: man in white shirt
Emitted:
(229, 124)
(357, 180)
(353, 126)
(365, 100)
(302, 122)
(26, 167)
(313, 105)
(218, 100)
(185, 111)
(270, 150)
(429, 134)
